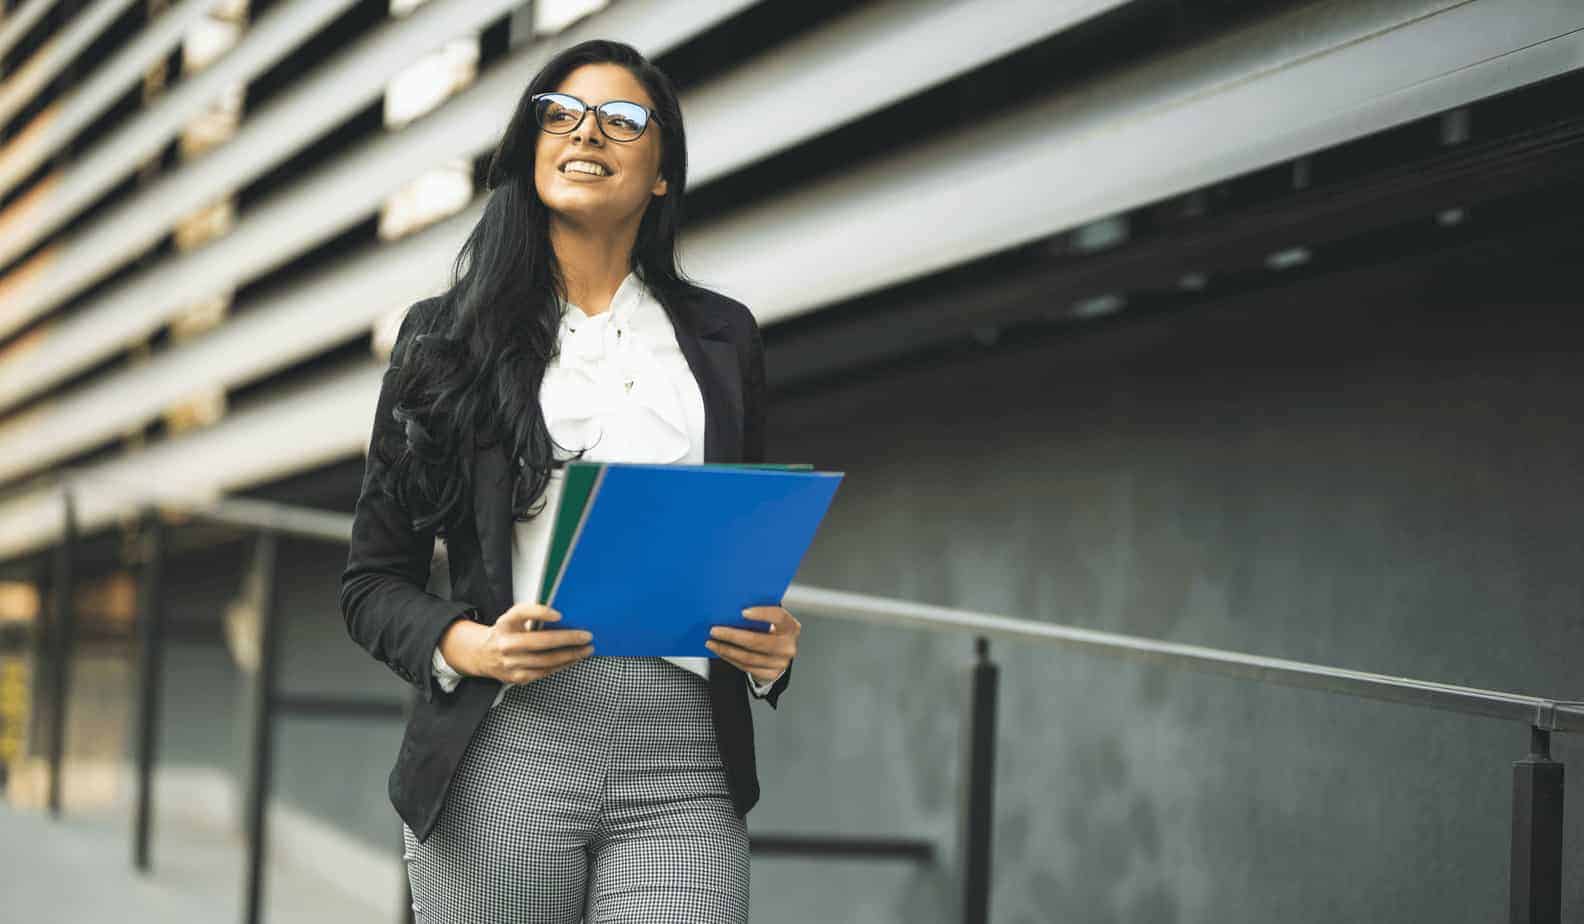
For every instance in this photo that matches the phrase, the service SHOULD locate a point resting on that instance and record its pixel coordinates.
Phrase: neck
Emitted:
(593, 261)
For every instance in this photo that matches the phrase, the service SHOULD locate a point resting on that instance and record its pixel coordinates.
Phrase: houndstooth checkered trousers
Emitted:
(595, 794)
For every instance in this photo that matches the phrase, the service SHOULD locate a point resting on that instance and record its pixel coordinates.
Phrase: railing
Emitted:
(1535, 873)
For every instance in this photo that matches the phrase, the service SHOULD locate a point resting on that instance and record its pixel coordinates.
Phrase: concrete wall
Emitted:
(1386, 482)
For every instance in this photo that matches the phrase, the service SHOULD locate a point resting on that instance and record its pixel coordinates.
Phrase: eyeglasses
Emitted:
(619, 119)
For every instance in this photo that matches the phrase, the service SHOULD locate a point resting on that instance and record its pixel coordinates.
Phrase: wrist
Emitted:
(459, 645)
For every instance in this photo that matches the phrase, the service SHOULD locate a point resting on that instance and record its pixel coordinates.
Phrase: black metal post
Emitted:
(263, 724)
(1536, 889)
(60, 638)
(151, 641)
(40, 647)
(979, 806)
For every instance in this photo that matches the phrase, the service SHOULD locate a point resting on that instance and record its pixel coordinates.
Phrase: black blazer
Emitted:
(389, 612)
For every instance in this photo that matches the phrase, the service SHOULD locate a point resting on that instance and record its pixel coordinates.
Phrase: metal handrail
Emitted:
(1544, 713)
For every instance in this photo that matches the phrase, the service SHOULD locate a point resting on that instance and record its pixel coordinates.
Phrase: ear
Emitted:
(659, 187)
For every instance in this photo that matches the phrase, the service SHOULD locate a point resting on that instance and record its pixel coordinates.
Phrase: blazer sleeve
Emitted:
(383, 600)
(754, 400)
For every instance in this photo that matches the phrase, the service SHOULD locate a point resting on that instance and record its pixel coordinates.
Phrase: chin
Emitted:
(586, 208)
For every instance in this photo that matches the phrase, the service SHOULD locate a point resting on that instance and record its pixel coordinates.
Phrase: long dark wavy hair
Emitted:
(471, 379)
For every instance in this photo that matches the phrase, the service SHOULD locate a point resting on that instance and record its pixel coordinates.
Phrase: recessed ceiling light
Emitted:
(1289, 258)
(1098, 305)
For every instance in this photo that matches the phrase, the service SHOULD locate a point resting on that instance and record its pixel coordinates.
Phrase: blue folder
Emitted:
(663, 553)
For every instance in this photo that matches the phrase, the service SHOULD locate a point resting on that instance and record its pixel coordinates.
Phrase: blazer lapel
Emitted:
(705, 340)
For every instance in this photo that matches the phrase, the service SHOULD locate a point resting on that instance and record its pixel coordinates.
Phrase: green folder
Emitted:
(576, 488)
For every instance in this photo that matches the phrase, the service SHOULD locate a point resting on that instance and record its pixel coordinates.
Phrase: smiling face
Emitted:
(633, 168)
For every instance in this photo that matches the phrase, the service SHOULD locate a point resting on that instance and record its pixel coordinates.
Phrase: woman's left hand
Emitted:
(764, 655)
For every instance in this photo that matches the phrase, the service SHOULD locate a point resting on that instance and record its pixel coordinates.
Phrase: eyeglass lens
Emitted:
(559, 113)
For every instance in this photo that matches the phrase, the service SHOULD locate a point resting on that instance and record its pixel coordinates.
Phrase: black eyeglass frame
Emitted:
(599, 116)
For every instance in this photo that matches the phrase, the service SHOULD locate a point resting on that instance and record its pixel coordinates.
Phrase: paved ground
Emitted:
(78, 870)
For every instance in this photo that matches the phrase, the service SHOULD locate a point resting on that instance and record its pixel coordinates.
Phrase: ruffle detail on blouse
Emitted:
(608, 393)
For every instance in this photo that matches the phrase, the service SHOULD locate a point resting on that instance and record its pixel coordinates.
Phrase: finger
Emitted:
(754, 671)
(544, 640)
(780, 620)
(732, 660)
(544, 670)
(742, 656)
(754, 641)
(529, 675)
(514, 620)
(525, 613)
(770, 614)
(556, 658)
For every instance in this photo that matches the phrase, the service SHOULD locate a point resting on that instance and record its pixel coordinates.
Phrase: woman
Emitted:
(537, 780)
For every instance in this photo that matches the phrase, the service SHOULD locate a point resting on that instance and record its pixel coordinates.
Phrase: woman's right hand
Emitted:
(513, 652)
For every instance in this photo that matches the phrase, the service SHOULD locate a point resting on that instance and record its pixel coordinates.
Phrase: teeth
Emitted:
(583, 166)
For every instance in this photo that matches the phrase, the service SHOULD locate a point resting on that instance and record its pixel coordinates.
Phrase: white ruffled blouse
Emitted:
(621, 389)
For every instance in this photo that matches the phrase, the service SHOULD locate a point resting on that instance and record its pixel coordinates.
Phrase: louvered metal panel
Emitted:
(265, 43)
(830, 77)
(1317, 76)
(345, 192)
(323, 309)
(328, 417)
(267, 138)
(15, 26)
(52, 58)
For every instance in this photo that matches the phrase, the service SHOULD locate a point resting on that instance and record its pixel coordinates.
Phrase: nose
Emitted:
(593, 133)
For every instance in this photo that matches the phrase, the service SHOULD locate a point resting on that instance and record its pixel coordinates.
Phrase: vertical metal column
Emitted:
(60, 639)
(151, 640)
(263, 724)
(1536, 889)
(40, 646)
(979, 807)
